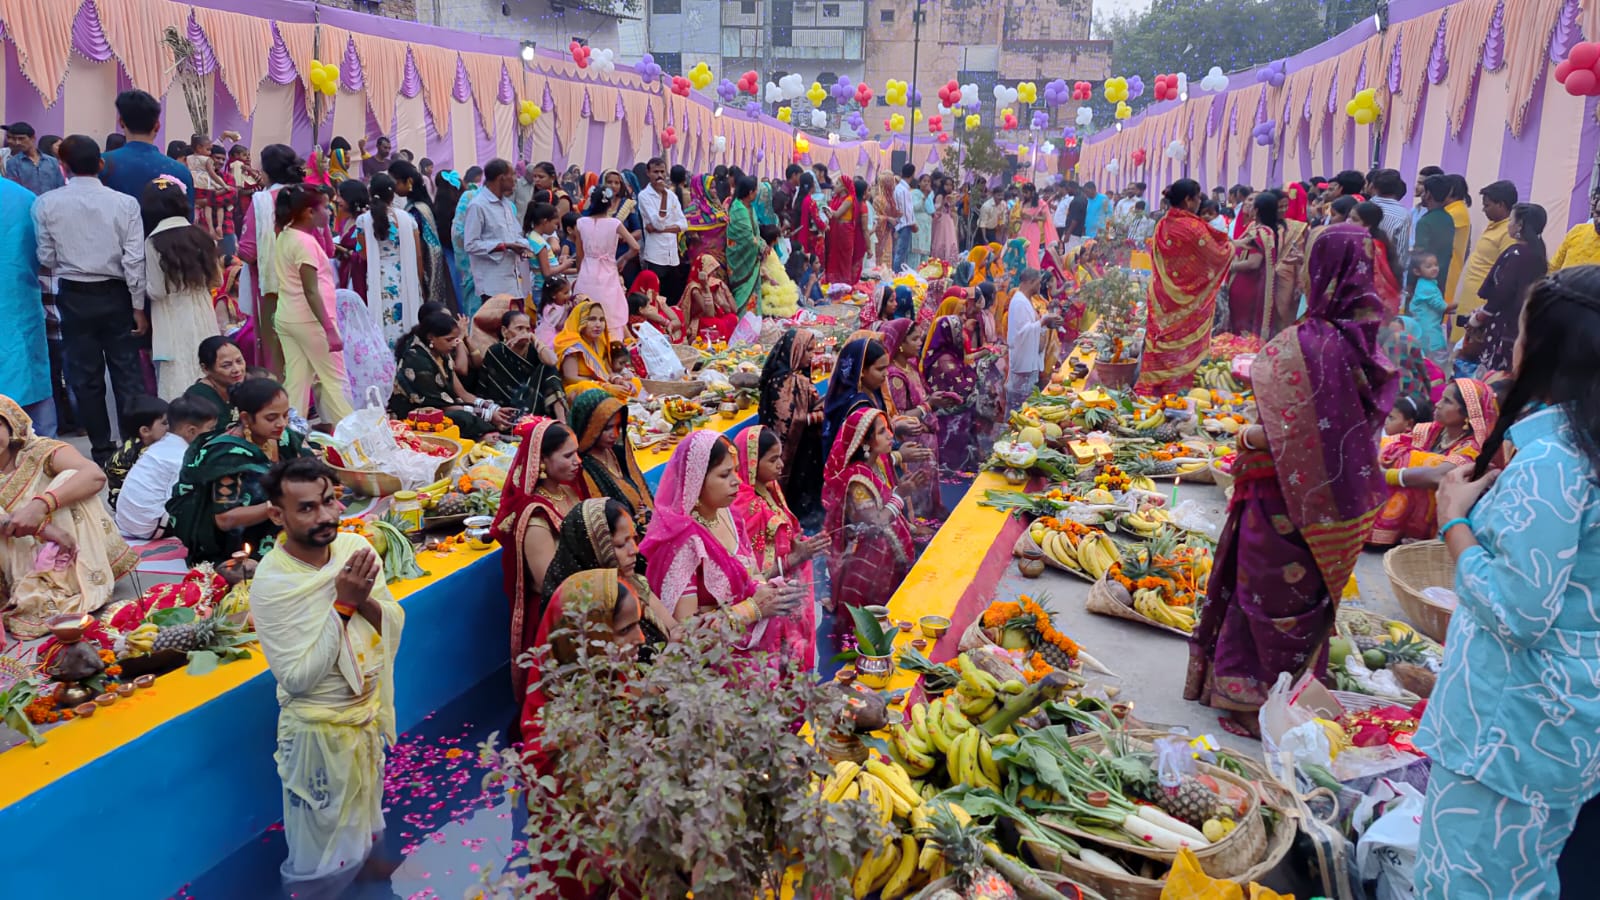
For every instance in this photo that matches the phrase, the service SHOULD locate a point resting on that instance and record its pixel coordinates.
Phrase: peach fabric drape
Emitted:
(1528, 26)
(569, 111)
(299, 38)
(134, 29)
(602, 103)
(484, 71)
(240, 44)
(1415, 48)
(1465, 33)
(641, 137)
(437, 68)
(1349, 76)
(330, 48)
(383, 63)
(42, 34)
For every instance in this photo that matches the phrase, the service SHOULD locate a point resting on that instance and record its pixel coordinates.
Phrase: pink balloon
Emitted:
(1582, 83)
(1563, 70)
(1584, 56)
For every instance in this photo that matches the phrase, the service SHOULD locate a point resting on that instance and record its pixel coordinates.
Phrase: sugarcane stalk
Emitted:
(1048, 688)
(1027, 883)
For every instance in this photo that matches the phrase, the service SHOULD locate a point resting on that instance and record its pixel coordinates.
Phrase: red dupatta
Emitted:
(843, 470)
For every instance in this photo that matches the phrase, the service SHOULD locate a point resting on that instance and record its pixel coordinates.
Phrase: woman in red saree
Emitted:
(813, 231)
(839, 267)
(1414, 463)
(775, 535)
(707, 308)
(1190, 259)
(1306, 489)
(542, 487)
(870, 549)
(700, 559)
(1252, 287)
(910, 397)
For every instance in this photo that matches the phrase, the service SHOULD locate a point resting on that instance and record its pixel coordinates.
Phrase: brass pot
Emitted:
(874, 671)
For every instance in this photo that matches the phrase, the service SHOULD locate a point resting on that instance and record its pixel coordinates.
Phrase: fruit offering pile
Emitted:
(1162, 580)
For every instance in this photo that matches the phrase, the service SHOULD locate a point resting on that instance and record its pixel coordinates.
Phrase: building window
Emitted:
(666, 7)
(886, 16)
(671, 63)
(830, 10)
(747, 7)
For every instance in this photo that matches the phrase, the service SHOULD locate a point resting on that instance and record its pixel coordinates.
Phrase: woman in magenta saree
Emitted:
(699, 557)
(775, 535)
(1190, 260)
(1307, 487)
(870, 549)
(844, 212)
(911, 397)
(945, 370)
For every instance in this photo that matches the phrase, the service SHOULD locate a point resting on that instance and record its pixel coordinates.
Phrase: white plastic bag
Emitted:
(660, 362)
(364, 441)
(1386, 854)
(748, 330)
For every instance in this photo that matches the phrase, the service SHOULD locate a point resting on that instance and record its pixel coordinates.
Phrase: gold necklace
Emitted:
(563, 496)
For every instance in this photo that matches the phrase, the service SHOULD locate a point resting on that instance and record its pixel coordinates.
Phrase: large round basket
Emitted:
(1103, 601)
(1413, 567)
(370, 483)
(691, 388)
(689, 356)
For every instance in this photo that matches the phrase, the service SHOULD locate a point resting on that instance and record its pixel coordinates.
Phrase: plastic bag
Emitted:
(655, 351)
(1280, 717)
(748, 331)
(1192, 516)
(364, 441)
(1386, 855)
(1187, 881)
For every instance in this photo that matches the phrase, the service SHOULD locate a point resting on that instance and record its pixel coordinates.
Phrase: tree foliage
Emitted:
(984, 157)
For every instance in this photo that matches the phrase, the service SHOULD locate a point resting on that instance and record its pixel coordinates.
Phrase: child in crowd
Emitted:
(143, 424)
(569, 235)
(1408, 413)
(553, 308)
(142, 511)
(549, 257)
(1429, 307)
(804, 272)
(211, 193)
(1466, 358)
(780, 297)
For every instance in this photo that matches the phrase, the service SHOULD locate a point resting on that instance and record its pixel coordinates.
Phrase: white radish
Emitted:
(1176, 826)
(1100, 862)
(1154, 834)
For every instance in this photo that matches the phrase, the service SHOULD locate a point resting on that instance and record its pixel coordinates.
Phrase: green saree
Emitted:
(220, 473)
(745, 250)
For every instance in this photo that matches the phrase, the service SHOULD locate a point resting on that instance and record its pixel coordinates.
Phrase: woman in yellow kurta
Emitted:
(586, 355)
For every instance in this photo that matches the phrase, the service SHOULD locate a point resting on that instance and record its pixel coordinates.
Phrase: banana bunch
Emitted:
(1146, 522)
(1151, 420)
(1219, 378)
(481, 452)
(1141, 483)
(141, 639)
(893, 869)
(1057, 545)
(436, 490)
(1054, 412)
(1096, 553)
(1147, 602)
(1221, 424)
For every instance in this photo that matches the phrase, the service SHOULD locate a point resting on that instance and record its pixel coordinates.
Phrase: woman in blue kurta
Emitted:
(1513, 726)
(24, 365)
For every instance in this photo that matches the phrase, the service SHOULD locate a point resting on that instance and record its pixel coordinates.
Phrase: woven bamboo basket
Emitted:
(690, 357)
(687, 389)
(1413, 567)
(1203, 475)
(1103, 601)
(371, 483)
(1025, 541)
(1220, 478)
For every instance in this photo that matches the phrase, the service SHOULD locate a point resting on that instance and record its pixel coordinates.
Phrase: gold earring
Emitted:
(542, 473)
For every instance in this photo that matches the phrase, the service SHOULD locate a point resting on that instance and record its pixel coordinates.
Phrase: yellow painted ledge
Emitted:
(25, 769)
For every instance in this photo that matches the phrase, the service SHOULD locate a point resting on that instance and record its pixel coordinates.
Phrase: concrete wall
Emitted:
(528, 20)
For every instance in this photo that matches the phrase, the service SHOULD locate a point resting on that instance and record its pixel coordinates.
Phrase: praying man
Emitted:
(330, 631)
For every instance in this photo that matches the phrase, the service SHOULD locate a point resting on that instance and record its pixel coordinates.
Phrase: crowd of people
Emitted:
(234, 310)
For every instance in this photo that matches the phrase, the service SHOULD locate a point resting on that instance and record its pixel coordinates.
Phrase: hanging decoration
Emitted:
(1139, 157)
(1214, 81)
(669, 136)
(324, 78)
(843, 90)
(973, 121)
(605, 60)
(1363, 107)
(1040, 120)
(1135, 88)
(648, 69)
(1124, 111)
(894, 93)
(749, 82)
(580, 54)
(528, 112)
(793, 87)
(1005, 96)
(1166, 87)
(819, 119)
(1027, 92)
(719, 145)
(1176, 151)
(1273, 73)
(1264, 132)
(784, 115)
(700, 76)
(1116, 90)
(817, 94)
(1085, 116)
(1579, 73)
(1082, 90)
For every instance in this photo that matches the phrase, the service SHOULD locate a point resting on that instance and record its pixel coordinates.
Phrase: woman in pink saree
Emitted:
(700, 561)
(1037, 226)
(775, 535)
(870, 548)
(911, 397)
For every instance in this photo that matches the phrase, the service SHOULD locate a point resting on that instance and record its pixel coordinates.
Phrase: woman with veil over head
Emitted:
(791, 408)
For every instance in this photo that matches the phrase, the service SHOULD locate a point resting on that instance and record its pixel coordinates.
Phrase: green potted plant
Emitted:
(1116, 298)
(874, 652)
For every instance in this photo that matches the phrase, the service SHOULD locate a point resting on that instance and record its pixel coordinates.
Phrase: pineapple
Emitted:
(963, 850)
(1407, 650)
(1166, 433)
(186, 638)
(1190, 801)
(451, 504)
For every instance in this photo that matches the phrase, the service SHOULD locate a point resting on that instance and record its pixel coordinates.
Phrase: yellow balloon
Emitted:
(817, 94)
(801, 145)
(1351, 108)
(897, 122)
(1124, 110)
(1365, 116)
(1007, 112)
(1027, 92)
(784, 114)
(524, 119)
(916, 115)
(973, 121)
(1022, 151)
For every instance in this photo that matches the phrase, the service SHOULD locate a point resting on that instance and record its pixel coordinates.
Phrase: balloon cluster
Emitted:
(936, 123)
(719, 144)
(864, 95)
(1124, 111)
(858, 124)
(647, 68)
(1069, 133)
(973, 121)
(1027, 92)
(1214, 80)
(1265, 132)
(1008, 120)
(1169, 87)
(1579, 73)
(580, 54)
(1040, 121)
(605, 59)
(324, 78)
(1056, 93)
(819, 119)
(1113, 167)
(1085, 116)
(1176, 151)
(700, 76)
(749, 82)
(1116, 90)
(727, 90)
(896, 122)
(1047, 148)
(1139, 156)
(843, 90)
(681, 86)
(802, 145)
(793, 87)
(1005, 96)
(950, 94)
(669, 136)
(1363, 107)
(1273, 73)
(528, 112)
(895, 92)
(1082, 90)
(816, 94)
(1135, 87)
(784, 114)
(969, 96)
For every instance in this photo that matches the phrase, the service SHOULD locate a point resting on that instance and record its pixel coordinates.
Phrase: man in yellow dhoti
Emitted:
(330, 631)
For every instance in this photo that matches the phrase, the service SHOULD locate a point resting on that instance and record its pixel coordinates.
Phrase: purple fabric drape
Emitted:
(1395, 69)
(506, 94)
(1438, 64)
(411, 79)
(1566, 34)
(461, 90)
(1494, 44)
(650, 114)
(352, 77)
(88, 38)
(280, 67)
(204, 59)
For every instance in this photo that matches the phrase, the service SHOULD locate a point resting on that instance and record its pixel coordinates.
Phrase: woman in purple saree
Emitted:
(1307, 486)
(945, 371)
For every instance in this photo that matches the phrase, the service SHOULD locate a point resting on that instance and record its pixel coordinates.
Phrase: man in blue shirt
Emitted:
(1095, 211)
(36, 171)
(135, 164)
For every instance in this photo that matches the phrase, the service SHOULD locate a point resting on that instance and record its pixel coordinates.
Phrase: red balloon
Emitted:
(1582, 83)
(944, 137)
(1138, 157)
(1584, 56)
(1563, 70)
(681, 86)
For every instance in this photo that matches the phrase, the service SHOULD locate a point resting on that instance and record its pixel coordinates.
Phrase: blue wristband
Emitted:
(1453, 523)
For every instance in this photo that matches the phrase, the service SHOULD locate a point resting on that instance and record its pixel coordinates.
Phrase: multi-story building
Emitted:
(391, 9)
(818, 39)
(618, 24)
(684, 33)
(985, 44)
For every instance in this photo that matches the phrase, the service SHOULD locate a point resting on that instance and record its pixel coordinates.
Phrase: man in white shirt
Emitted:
(92, 238)
(141, 506)
(496, 249)
(1130, 196)
(989, 216)
(1025, 337)
(663, 222)
(906, 224)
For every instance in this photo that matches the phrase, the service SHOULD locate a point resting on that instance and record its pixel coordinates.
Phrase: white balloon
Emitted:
(833, 137)
(1047, 148)
(819, 119)
(1214, 80)
(1113, 168)
(969, 94)
(774, 93)
(605, 59)
(1183, 84)
(1005, 96)
(945, 110)
(793, 86)
(1176, 151)
(719, 144)
(1085, 116)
